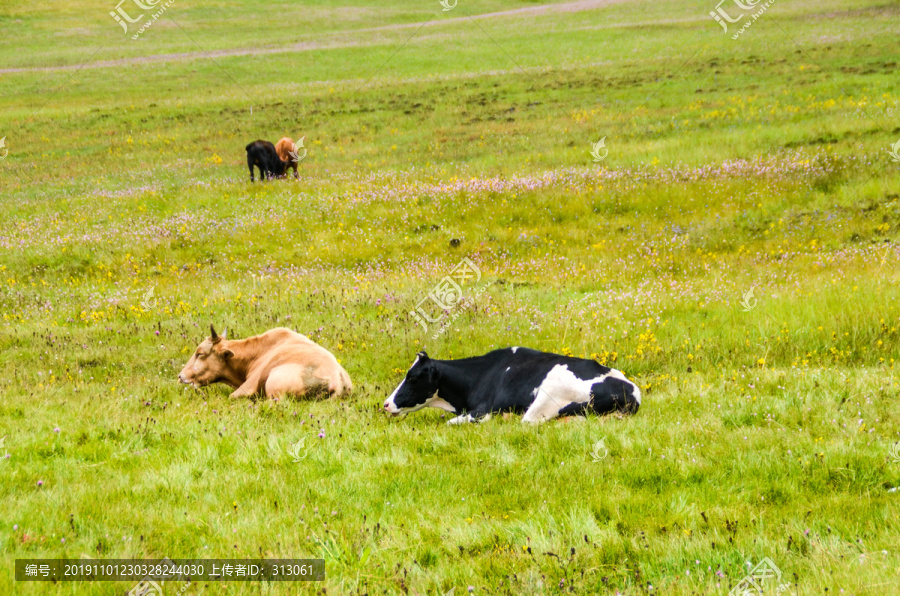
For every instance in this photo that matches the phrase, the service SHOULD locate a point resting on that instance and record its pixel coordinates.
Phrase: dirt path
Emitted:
(577, 6)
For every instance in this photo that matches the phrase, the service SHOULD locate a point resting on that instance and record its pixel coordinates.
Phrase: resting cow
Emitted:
(277, 362)
(540, 384)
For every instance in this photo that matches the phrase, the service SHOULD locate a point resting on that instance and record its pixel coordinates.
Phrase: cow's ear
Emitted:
(422, 355)
(226, 354)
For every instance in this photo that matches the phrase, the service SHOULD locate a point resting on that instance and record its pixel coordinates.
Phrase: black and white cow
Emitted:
(540, 384)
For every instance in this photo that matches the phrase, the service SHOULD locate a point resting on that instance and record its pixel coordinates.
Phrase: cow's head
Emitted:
(417, 389)
(209, 363)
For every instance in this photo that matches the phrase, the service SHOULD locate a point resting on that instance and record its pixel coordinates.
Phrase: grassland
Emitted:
(129, 225)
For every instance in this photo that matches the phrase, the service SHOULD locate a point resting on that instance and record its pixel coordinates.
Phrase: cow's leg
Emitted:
(474, 416)
(249, 388)
(250, 165)
(544, 407)
(536, 416)
(558, 396)
(461, 419)
(296, 175)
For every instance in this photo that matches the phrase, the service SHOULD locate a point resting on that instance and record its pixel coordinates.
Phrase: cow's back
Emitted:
(284, 346)
(511, 375)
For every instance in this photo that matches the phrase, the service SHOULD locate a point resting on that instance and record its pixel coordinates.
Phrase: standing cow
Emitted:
(262, 155)
(540, 384)
(289, 151)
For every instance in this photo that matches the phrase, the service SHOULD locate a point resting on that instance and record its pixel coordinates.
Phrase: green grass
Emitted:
(759, 164)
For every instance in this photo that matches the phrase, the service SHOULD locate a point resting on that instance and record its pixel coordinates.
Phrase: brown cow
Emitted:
(277, 362)
(289, 153)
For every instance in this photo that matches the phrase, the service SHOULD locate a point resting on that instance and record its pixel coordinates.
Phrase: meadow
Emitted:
(735, 252)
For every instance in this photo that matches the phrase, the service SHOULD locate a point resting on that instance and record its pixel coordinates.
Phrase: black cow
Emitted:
(262, 154)
(540, 384)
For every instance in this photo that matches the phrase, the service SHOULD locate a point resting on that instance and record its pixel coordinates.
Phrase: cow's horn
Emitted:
(225, 333)
(212, 334)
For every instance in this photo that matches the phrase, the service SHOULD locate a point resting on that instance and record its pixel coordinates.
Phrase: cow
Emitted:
(276, 363)
(288, 152)
(263, 155)
(540, 384)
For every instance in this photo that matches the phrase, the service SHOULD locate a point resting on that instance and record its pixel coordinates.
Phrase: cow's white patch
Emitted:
(468, 418)
(514, 348)
(389, 404)
(439, 402)
(462, 419)
(561, 388)
(507, 368)
(435, 401)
